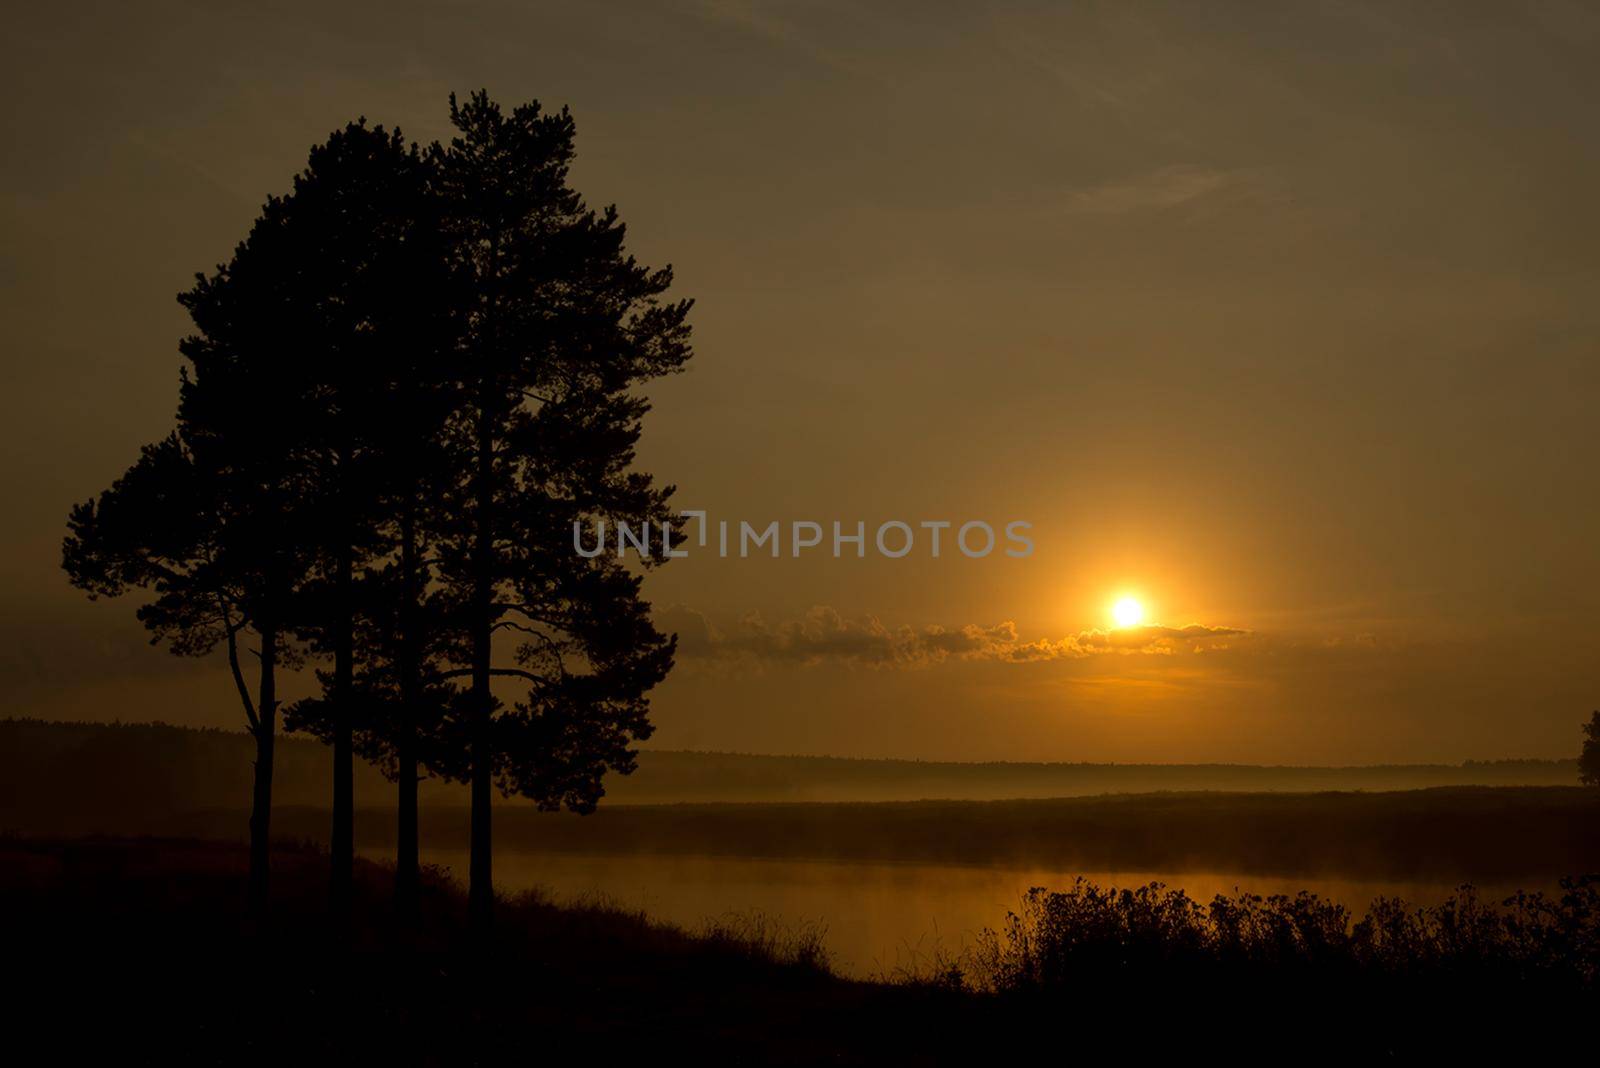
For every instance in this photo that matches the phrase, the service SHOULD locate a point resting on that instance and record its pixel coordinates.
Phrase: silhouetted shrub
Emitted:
(1087, 935)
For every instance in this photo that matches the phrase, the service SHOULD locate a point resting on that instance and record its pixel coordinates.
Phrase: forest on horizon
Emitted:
(202, 767)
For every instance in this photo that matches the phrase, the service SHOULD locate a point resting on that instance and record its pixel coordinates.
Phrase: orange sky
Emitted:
(1281, 319)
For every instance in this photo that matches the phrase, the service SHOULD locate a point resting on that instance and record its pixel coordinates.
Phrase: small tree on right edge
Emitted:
(1589, 760)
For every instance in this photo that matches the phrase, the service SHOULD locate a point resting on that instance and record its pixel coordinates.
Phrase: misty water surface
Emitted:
(878, 916)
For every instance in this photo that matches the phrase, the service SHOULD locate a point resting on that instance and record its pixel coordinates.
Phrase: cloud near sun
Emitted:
(823, 635)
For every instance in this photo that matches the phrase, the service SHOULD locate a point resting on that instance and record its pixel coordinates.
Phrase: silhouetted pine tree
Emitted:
(372, 197)
(559, 325)
(209, 520)
(412, 380)
(375, 315)
(406, 640)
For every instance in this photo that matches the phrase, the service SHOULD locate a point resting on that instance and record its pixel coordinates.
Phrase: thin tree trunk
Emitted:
(342, 838)
(480, 886)
(406, 874)
(261, 797)
(480, 882)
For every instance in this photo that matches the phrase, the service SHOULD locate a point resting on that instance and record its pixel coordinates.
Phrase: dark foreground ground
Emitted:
(140, 949)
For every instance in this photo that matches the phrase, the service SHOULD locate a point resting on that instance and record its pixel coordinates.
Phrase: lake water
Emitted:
(877, 917)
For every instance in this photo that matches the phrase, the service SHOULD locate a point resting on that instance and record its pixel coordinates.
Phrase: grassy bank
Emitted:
(146, 942)
(141, 949)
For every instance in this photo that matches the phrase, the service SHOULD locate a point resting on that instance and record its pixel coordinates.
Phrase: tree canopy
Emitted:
(416, 373)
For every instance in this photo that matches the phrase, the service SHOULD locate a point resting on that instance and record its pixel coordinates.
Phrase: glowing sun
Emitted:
(1128, 612)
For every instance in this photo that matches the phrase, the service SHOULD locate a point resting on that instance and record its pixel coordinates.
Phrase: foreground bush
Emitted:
(1089, 935)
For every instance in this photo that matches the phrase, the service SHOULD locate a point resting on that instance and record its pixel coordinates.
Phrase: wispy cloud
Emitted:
(780, 25)
(1164, 188)
(824, 635)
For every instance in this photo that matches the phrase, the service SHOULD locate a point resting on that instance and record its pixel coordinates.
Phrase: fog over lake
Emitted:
(877, 916)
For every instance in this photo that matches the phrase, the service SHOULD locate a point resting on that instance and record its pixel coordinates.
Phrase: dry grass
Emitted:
(143, 946)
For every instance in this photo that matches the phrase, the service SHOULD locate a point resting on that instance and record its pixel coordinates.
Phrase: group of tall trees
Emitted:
(416, 372)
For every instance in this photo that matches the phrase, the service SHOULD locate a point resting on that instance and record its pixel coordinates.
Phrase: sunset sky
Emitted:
(1280, 320)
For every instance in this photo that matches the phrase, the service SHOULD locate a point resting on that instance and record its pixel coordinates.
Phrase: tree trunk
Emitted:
(261, 797)
(406, 874)
(342, 839)
(480, 884)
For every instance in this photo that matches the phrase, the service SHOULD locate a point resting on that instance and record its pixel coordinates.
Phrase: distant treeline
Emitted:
(71, 774)
(1500, 835)
(74, 770)
(669, 776)
(156, 779)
